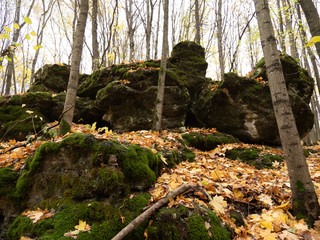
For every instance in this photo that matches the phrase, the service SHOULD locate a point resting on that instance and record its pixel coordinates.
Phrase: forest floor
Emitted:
(261, 196)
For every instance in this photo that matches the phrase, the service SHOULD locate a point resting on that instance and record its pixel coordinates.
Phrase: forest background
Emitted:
(38, 32)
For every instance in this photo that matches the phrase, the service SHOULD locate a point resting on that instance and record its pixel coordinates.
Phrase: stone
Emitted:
(242, 106)
(52, 78)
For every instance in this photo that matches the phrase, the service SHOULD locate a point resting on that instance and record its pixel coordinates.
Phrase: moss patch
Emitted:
(253, 157)
(207, 142)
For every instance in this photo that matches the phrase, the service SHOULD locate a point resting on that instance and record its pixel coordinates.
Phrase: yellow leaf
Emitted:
(218, 204)
(36, 48)
(266, 224)
(28, 37)
(33, 33)
(215, 175)
(267, 235)
(7, 29)
(27, 20)
(163, 159)
(83, 226)
(315, 39)
(6, 35)
(237, 193)
(16, 26)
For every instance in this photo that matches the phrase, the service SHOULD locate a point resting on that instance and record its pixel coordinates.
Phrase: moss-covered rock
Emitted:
(252, 156)
(207, 142)
(81, 167)
(17, 121)
(51, 78)
(242, 106)
(107, 219)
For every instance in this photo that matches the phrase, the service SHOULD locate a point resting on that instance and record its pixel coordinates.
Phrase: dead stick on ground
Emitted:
(146, 214)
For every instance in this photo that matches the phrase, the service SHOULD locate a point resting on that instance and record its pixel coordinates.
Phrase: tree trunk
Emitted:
(162, 72)
(304, 198)
(219, 35)
(288, 17)
(42, 24)
(281, 30)
(196, 11)
(313, 19)
(70, 101)
(157, 33)
(94, 32)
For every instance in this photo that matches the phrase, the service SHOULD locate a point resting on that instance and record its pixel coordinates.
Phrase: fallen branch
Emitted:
(146, 214)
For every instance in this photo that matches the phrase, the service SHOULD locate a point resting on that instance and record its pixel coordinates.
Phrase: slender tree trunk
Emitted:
(157, 33)
(196, 11)
(313, 19)
(219, 35)
(70, 101)
(281, 30)
(94, 32)
(163, 70)
(42, 25)
(288, 17)
(303, 38)
(304, 198)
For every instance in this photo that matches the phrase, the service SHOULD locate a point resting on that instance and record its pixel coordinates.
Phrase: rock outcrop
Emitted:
(101, 182)
(242, 106)
(122, 96)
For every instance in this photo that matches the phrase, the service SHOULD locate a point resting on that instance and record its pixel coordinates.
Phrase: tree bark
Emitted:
(304, 198)
(42, 24)
(196, 11)
(219, 35)
(157, 33)
(163, 71)
(281, 30)
(94, 32)
(75, 63)
(313, 19)
(288, 17)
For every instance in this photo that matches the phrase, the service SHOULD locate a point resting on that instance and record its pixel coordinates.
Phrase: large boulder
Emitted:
(26, 114)
(101, 182)
(126, 93)
(242, 106)
(53, 78)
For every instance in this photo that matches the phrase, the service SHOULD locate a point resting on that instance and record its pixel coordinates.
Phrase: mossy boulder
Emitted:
(51, 78)
(253, 156)
(23, 115)
(129, 106)
(207, 142)
(107, 219)
(81, 167)
(242, 106)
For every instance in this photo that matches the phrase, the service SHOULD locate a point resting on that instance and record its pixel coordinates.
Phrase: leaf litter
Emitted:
(262, 197)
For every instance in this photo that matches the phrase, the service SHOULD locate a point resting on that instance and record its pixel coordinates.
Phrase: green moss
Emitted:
(219, 232)
(188, 155)
(64, 127)
(243, 153)
(8, 178)
(16, 100)
(300, 186)
(18, 122)
(253, 157)
(237, 217)
(110, 177)
(197, 229)
(136, 165)
(207, 142)
(20, 227)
